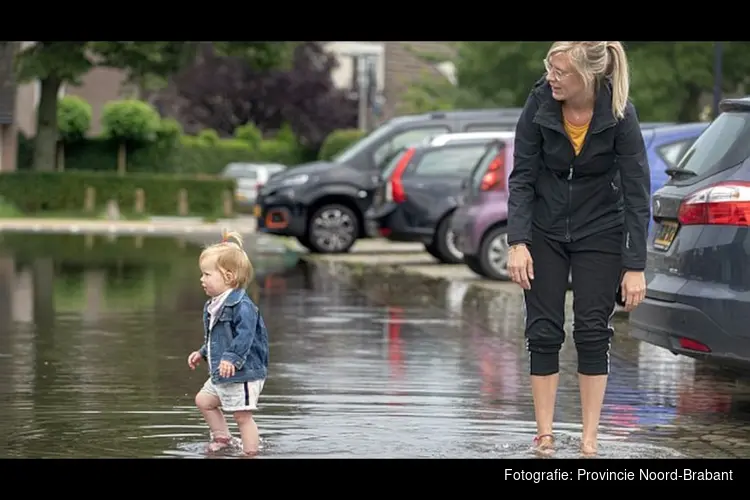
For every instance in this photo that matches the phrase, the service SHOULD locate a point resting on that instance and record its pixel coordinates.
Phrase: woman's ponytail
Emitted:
(620, 74)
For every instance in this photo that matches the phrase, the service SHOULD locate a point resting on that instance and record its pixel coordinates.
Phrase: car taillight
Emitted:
(725, 203)
(395, 188)
(494, 178)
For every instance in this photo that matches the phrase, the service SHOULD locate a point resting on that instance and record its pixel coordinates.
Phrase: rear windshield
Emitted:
(724, 144)
(450, 160)
(481, 167)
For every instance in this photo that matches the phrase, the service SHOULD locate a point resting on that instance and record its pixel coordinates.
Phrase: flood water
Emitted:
(94, 336)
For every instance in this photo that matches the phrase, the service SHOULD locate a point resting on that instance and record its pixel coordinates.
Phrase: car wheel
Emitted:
(430, 249)
(493, 255)
(444, 243)
(473, 263)
(333, 229)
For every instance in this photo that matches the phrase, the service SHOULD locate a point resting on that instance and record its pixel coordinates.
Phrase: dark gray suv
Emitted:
(698, 275)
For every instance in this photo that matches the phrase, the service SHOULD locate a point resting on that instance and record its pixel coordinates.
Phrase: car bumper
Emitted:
(388, 221)
(463, 229)
(280, 216)
(669, 324)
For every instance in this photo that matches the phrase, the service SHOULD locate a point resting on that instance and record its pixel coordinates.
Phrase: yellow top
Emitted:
(577, 134)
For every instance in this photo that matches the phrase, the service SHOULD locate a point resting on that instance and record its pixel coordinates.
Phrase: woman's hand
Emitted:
(520, 266)
(633, 289)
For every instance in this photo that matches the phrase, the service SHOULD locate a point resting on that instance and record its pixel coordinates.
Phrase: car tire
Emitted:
(430, 249)
(473, 263)
(332, 229)
(444, 243)
(493, 255)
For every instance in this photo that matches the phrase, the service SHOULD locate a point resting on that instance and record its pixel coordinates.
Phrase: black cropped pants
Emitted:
(596, 266)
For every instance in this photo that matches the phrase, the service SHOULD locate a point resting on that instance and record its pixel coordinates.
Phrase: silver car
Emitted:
(250, 178)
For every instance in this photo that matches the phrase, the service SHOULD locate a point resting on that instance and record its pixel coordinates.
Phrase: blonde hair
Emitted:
(229, 256)
(595, 61)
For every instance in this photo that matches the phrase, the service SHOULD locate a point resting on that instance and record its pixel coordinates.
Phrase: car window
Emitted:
(406, 139)
(672, 152)
(449, 161)
(724, 144)
(482, 165)
(355, 149)
(246, 172)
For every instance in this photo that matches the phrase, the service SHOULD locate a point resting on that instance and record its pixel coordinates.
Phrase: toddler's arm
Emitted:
(245, 323)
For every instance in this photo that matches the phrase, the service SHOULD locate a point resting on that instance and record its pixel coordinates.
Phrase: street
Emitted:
(367, 360)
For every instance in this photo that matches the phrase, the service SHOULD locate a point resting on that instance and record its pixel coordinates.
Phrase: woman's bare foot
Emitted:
(588, 449)
(544, 445)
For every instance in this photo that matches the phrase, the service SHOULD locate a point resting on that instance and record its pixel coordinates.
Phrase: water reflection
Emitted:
(94, 334)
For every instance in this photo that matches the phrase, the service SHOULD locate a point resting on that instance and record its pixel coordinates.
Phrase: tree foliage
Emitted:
(671, 81)
(55, 63)
(223, 92)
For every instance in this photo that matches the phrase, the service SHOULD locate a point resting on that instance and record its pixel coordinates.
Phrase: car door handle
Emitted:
(419, 185)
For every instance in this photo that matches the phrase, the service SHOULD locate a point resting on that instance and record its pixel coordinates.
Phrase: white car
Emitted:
(250, 178)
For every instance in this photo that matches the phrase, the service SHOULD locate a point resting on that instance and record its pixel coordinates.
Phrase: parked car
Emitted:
(698, 276)
(479, 222)
(418, 194)
(250, 178)
(323, 203)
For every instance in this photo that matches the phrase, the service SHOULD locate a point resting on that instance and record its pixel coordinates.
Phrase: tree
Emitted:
(669, 79)
(55, 63)
(224, 92)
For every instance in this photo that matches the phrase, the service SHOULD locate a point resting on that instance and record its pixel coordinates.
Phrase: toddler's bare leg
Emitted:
(208, 404)
(248, 432)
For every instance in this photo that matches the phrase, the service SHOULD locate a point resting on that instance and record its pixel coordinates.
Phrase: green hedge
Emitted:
(191, 155)
(202, 154)
(337, 141)
(73, 248)
(35, 192)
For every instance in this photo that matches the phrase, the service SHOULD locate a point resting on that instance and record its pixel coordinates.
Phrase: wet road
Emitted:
(94, 337)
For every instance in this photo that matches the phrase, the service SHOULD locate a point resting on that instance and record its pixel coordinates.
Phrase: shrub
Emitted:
(34, 192)
(130, 123)
(73, 118)
(337, 141)
(250, 134)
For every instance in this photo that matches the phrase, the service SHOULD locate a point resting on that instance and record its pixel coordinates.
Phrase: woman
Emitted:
(579, 204)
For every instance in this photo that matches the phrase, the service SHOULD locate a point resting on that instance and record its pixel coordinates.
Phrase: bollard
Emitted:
(182, 203)
(140, 201)
(88, 241)
(228, 204)
(113, 210)
(89, 200)
(139, 241)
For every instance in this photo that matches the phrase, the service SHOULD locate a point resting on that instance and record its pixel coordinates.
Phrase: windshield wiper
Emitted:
(679, 171)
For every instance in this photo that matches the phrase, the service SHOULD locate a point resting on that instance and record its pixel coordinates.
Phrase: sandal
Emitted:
(544, 444)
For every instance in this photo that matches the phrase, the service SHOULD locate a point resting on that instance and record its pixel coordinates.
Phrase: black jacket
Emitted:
(569, 197)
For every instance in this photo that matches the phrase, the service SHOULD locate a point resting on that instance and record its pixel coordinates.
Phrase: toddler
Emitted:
(235, 345)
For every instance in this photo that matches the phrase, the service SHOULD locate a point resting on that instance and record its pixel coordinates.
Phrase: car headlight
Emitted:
(295, 180)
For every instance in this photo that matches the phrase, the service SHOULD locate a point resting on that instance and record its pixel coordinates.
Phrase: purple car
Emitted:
(478, 223)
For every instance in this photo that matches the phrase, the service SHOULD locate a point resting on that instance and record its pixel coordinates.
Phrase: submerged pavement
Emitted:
(653, 397)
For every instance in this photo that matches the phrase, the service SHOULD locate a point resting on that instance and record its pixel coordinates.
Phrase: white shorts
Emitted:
(235, 396)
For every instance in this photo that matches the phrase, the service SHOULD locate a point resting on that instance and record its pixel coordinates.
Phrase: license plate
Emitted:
(665, 236)
(256, 211)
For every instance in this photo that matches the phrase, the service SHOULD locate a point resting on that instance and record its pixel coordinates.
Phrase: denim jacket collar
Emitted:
(232, 299)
